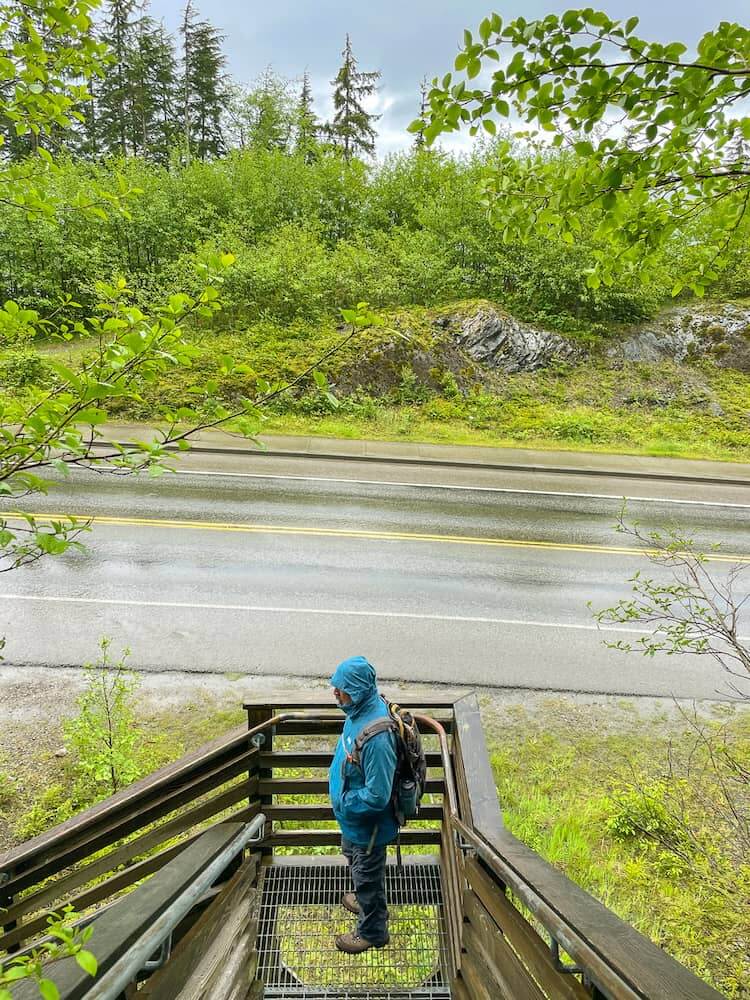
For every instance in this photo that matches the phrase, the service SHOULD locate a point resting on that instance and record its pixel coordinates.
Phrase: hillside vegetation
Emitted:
(410, 237)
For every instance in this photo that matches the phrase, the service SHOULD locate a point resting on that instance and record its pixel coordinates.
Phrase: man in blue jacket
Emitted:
(361, 799)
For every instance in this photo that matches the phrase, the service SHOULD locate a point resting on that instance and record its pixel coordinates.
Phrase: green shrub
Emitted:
(22, 368)
(410, 388)
(640, 812)
(311, 238)
(104, 737)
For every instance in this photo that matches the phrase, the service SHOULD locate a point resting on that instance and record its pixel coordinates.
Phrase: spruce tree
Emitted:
(352, 127)
(155, 101)
(419, 139)
(114, 106)
(306, 125)
(204, 91)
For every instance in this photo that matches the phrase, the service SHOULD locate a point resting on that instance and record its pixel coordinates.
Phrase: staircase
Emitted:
(219, 877)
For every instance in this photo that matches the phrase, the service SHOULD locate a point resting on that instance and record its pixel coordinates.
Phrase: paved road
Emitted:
(218, 570)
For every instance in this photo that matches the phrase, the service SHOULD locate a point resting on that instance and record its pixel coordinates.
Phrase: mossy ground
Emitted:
(539, 411)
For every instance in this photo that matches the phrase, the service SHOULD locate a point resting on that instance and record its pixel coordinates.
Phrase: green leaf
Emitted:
(88, 962)
(48, 990)
(91, 416)
(64, 373)
(16, 972)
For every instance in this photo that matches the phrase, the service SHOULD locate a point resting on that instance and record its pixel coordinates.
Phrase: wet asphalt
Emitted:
(270, 577)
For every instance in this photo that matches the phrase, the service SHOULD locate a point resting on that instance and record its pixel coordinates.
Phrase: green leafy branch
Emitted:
(691, 611)
(64, 940)
(641, 132)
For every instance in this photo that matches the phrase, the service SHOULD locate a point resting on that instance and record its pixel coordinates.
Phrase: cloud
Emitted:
(404, 40)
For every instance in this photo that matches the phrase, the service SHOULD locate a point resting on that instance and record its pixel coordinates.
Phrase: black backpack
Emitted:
(410, 776)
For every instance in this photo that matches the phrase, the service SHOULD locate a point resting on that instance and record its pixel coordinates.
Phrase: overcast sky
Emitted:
(405, 40)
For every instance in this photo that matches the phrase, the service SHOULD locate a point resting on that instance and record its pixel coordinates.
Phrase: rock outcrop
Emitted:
(492, 337)
(717, 331)
(474, 344)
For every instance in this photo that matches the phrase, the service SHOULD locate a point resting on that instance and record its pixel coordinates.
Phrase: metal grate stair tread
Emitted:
(301, 913)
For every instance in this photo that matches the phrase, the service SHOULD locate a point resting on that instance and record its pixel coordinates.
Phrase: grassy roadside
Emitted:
(569, 775)
(551, 428)
(405, 382)
(623, 804)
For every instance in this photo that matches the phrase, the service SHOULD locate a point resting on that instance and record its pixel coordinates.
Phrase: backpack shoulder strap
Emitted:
(382, 725)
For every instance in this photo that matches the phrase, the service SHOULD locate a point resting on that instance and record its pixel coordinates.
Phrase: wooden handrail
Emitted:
(153, 783)
(452, 876)
(620, 961)
(322, 699)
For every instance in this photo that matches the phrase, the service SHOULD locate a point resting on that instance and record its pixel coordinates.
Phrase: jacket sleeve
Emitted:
(379, 766)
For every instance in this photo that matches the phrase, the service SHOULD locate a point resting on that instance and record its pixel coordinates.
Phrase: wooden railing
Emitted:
(295, 755)
(92, 858)
(96, 855)
(509, 915)
(520, 913)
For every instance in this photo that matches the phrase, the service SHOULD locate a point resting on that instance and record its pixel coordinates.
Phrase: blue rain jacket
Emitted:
(361, 796)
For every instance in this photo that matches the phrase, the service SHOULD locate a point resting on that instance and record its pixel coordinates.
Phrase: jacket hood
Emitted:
(356, 676)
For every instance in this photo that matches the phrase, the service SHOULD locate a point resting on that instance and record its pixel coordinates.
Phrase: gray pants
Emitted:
(368, 875)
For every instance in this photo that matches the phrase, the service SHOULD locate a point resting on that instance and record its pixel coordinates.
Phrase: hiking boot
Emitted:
(353, 944)
(349, 902)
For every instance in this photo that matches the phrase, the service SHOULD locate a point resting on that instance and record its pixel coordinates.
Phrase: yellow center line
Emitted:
(397, 536)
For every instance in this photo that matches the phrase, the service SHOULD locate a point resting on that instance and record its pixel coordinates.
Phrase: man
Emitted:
(361, 799)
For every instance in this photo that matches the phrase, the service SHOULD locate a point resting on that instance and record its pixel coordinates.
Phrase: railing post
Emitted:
(6, 901)
(256, 716)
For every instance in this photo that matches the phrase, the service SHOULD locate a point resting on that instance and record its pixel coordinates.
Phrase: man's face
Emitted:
(342, 698)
